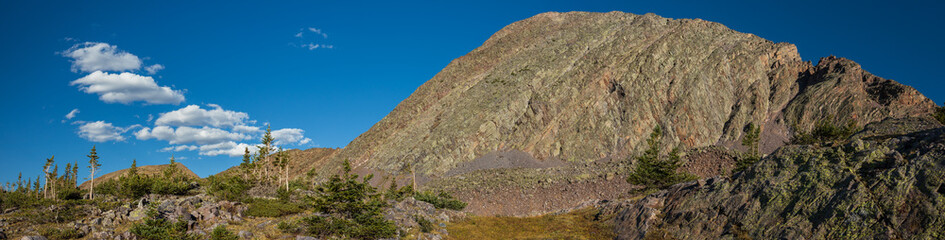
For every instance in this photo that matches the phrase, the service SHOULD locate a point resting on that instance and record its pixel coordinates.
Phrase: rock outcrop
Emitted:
(584, 86)
(887, 182)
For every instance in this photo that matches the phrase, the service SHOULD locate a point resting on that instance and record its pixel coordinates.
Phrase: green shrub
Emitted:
(271, 208)
(155, 228)
(398, 194)
(230, 188)
(825, 131)
(18, 199)
(135, 186)
(60, 233)
(221, 233)
(425, 225)
(656, 171)
(353, 209)
(289, 226)
(440, 200)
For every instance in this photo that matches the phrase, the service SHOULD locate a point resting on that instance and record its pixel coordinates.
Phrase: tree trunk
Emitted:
(46, 186)
(92, 185)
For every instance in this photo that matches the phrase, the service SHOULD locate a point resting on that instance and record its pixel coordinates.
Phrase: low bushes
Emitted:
(826, 131)
(230, 188)
(271, 208)
(440, 200)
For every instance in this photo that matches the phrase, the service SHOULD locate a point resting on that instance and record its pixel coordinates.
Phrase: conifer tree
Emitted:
(36, 185)
(171, 171)
(49, 162)
(133, 171)
(654, 170)
(75, 172)
(93, 165)
(264, 151)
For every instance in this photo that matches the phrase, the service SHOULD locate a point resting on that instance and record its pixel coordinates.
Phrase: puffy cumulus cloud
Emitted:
(101, 131)
(154, 68)
(230, 148)
(95, 56)
(72, 113)
(184, 135)
(193, 115)
(127, 88)
(290, 136)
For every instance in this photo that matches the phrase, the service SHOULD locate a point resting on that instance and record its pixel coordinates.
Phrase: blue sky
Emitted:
(209, 72)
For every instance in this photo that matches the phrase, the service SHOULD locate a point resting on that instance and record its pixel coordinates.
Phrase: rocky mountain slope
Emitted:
(579, 86)
(886, 182)
(148, 170)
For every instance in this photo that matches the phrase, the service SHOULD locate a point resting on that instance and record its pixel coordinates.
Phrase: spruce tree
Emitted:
(133, 171)
(93, 165)
(654, 170)
(264, 151)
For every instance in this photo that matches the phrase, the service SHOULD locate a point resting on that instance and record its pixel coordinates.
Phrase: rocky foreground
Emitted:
(203, 213)
(885, 182)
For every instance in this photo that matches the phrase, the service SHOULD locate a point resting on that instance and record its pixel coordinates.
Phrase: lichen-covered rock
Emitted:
(882, 186)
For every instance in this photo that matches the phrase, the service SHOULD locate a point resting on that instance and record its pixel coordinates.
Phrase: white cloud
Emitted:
(318, 32)
(154, 68)
(101, 131)
(193, 115)
(92, 56)
(312, 43)
(127, 88)
(179, 148)
(290, 136)
(183, 135)
(246, 129)
(72, 113)
(230, 148)
(313, 46)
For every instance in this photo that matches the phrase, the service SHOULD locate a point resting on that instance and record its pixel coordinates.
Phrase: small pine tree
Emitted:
(171, 172)
(75, 172)
(133, 171)
(93, 165)
(750, 141)
(654, 170)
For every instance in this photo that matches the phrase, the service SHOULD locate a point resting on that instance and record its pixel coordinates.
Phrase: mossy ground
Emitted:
(579, 224)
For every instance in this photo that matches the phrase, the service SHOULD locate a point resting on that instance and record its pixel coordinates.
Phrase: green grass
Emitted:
(580, 224)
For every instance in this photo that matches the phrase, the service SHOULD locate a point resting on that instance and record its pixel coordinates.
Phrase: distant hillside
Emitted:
(302, 160)
(149, 170)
